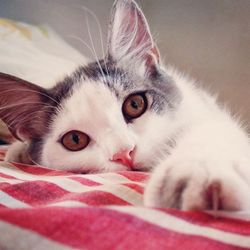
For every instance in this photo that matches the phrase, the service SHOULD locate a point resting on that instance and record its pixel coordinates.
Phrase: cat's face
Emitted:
(114, 114)
(119, 112)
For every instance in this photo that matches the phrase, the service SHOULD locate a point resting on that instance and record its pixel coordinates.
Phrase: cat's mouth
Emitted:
(137, 167)
(86, 171)
(129, 164)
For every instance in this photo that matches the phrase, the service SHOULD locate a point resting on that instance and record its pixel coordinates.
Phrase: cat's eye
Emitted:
(134, 106)
(75, 140)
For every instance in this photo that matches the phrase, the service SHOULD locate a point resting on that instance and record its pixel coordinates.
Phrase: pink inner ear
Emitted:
(130, 35)
(23, 113)
(22, 107)
(155, 52)
(142, 39)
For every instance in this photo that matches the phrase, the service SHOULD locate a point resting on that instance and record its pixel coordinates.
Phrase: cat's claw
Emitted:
(196, 187)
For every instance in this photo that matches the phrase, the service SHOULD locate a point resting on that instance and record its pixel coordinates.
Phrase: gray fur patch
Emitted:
(163, 90)
(158, 84)
(122, 82)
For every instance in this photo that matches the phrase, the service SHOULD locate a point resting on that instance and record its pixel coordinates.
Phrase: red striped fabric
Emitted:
(45, 209)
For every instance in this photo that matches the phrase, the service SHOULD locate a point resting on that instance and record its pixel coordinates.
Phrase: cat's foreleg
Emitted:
(208, 169)
(18, 152)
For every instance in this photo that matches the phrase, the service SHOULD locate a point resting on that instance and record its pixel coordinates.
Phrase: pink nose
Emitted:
(124, 157)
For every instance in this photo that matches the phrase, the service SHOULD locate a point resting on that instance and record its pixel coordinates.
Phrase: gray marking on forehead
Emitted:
(123, 82)
(160, 86)
(107, 71)
(163, 90)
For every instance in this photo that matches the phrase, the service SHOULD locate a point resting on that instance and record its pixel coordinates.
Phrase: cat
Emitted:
(130, 112)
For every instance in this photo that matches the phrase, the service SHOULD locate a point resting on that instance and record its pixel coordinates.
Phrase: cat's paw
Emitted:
(200, 185)
(17, 152)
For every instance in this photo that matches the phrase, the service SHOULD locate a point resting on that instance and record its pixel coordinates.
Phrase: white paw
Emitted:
(17, 152)
(200, 184)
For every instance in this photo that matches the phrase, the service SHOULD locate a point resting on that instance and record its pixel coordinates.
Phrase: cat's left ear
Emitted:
(129, 36)
(24, 107)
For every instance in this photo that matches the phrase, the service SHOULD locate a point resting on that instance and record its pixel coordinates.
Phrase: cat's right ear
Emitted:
(129, 37)
(23, 107)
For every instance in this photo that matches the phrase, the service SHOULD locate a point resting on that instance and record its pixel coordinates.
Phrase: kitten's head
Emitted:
(113, 114)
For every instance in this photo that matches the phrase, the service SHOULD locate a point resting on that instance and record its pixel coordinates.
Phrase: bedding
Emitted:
(42, 208)
(46, 209)
(36, 54)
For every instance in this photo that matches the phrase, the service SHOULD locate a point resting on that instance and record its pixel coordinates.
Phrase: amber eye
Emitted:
(134, 106)
(75, 140)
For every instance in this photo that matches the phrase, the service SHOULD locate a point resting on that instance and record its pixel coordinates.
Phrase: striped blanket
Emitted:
(46, 209)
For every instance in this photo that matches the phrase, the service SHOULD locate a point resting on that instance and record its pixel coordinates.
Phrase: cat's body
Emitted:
(128, 112)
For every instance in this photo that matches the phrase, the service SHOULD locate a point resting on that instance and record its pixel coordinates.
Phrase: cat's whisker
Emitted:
(99, 28)
(93, 46)
(33, 161)
(93, 15)
(42, 104)
(21, 116)
(83, 42)
(31, 91)
(74, 36)
(100, 32)
(91, 50)
(29, 115)
(9, 114)
(24, 118)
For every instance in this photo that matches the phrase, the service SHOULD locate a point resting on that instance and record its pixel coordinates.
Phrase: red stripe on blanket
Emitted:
(7, 176)
(37, 193)
(93, 228)
(98, 198)
(135, 187)
(85, 181)
(38, 170)
(203, 219)
(135, 176)
(34, 192)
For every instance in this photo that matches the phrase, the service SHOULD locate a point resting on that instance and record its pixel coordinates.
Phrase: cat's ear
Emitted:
(129, 35)
(23, 107)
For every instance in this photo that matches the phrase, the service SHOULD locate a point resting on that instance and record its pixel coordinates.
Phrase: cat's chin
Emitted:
(140, 167)
(104, 169)
(85, 171)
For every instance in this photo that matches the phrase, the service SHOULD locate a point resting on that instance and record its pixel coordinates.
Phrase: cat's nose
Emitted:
(124, 157)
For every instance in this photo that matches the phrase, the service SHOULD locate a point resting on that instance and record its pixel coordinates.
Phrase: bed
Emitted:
(42, 208)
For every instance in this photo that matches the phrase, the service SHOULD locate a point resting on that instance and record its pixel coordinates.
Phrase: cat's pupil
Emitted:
(134, 104)
(75, 138)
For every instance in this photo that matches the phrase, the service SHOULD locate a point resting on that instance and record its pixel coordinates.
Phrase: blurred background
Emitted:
(207, 39)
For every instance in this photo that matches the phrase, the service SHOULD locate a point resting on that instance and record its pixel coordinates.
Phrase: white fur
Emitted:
(18, 153)
(101, 120)
(211, 149)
